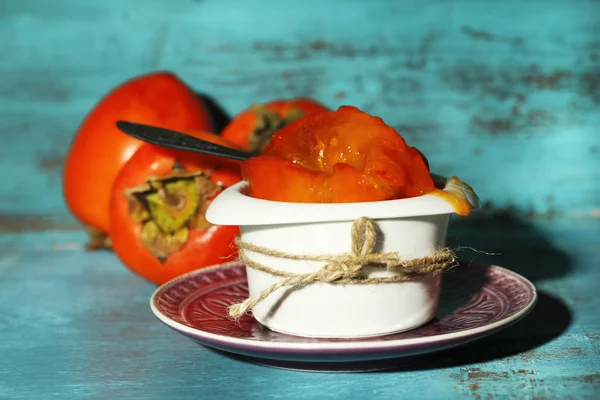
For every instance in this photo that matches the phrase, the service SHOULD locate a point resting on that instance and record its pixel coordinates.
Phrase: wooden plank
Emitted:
(512, 108)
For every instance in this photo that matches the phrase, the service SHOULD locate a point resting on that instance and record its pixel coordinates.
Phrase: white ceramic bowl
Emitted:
(412, 227)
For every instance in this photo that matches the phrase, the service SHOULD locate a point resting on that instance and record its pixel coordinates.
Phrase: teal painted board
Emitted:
(506, 95)
(78, 325)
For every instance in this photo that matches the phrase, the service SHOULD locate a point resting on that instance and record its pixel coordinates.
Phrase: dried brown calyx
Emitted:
(97, 240)
(168, 207)
(267, 123)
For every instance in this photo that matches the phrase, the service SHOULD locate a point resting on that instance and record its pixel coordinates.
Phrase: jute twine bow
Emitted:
(349, 268)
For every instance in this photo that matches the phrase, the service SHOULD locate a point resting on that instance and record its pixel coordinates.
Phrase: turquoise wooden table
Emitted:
(504, 94)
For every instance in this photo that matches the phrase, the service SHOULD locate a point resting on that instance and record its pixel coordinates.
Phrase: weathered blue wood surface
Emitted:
(504, 94)
(77, 325)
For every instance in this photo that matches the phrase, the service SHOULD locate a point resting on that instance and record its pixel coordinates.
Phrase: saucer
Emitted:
(476, 301)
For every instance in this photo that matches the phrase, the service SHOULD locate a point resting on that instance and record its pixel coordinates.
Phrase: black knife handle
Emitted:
(179, 141)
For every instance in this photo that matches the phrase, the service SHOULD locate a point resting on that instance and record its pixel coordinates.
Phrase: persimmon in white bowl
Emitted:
(375, 182)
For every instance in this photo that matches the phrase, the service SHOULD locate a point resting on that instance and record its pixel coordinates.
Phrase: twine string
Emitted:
(349, 268)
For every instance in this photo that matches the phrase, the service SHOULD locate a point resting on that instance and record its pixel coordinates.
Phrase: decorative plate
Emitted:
(476, 300)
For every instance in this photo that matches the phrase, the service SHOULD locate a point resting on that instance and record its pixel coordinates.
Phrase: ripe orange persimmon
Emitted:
(252, 129)
(338, 156)
(99, 149)
(158, 203)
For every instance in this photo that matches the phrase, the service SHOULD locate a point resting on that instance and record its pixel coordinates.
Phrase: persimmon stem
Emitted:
(97, 240)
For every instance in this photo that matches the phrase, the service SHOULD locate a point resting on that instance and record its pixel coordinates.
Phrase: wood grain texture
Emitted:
(78, 325)
(505, 95)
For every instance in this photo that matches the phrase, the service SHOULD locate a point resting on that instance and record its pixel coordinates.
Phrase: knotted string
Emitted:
(349, 268)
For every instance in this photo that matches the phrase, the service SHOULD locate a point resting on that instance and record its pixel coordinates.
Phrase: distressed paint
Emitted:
(36, 222)
(504, 94)
(505, 88)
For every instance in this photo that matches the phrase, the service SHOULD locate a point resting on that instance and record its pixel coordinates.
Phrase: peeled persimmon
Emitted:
(336, 157)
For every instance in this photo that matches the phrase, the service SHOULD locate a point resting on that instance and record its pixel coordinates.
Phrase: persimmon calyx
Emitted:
(267, 123)
(97, 240)
(162, 244)
(167, 207)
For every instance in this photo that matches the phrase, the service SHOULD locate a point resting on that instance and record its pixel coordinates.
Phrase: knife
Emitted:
(180, 141)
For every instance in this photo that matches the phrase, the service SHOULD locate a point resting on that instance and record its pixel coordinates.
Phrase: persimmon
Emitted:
(252, 128)
(99, 149)
(158, 202)
(338, 156)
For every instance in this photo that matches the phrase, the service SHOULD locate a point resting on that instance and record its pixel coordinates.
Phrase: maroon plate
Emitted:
(476, 301)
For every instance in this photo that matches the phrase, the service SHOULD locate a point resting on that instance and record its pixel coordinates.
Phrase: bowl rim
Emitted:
(233, 207)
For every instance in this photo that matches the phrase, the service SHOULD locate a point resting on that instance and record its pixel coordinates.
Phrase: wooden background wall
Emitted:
(504, 94)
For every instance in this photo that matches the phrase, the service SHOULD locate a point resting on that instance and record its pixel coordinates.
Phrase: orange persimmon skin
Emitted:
(243, 125)
(99, 149)
(337, 157)
(210, 246)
